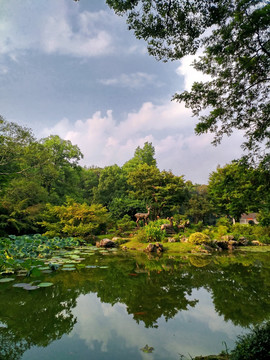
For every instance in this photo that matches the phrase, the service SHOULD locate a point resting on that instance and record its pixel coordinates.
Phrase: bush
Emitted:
(252, 232)
(224, 221)
(125, 225)
(151, 232)
(198, 238)
(74, 219)
(253, 346)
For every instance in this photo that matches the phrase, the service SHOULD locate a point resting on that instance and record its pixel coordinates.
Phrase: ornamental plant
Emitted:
(198, 238)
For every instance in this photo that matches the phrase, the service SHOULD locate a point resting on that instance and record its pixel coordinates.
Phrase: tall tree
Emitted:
(233, 190)
(235, 38)
(112, 184)
(141, 156)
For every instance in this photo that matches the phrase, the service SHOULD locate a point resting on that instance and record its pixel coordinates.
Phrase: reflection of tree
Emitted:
(34, 318)
(150, 289)
(240, 287)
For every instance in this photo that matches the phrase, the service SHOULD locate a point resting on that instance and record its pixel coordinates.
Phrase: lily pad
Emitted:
(68, 266)
(69, 269)
(21, 285)
(5, 280)
(26, 286)
(45, 284)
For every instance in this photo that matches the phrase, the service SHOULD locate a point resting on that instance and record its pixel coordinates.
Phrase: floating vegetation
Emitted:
(45, 284)
(147, 349)
(36, 255)
(5, 280)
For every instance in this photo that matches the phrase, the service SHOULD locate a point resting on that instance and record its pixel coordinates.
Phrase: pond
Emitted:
(132, 306)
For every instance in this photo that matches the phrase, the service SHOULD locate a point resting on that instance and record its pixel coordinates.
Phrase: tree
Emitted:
(143, 155)
(60, 172)
(199, 207)
(234, 36)
(16, 143)
(233, 190)
(112, 184)
(74, 219)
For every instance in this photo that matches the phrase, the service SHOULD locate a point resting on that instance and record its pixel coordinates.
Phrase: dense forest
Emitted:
(44, 189)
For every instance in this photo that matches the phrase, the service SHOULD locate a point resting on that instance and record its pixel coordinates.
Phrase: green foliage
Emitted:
(125, 225)
(120, 207)
(255, 345)
(225, 221)
(232, 190)
(74, 219)
(112, 184)
(141, 156)
(151, 232)
(237, 93)
(251, 232)
(18, 252)
(198, 238)
(199, 207)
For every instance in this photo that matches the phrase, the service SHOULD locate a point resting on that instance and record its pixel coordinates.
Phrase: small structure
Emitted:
(249, 218)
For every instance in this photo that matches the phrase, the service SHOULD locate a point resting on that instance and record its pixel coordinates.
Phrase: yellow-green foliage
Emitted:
(198, 238)
(74, 219)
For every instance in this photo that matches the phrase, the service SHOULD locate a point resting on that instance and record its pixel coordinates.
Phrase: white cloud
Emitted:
(104, 141)
(134, 80)
(56, 28)
(189, 73)
(89, 40)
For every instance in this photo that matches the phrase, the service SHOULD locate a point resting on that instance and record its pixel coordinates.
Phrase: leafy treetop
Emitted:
(234, 36)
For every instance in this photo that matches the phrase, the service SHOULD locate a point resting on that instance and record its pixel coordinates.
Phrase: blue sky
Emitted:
(73, 69)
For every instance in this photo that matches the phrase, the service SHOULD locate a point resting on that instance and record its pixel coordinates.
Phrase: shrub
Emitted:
(74, 219)
(224, 221)
(255, 345)
(198, 238)
(220, 231)
(125, 225)
(151, 232)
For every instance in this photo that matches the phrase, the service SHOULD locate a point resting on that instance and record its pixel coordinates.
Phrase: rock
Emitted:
(106, 243)
(157, 247)
(172, 240)
(116, 238)
(206, 249)
(256, 243)
(222, 244)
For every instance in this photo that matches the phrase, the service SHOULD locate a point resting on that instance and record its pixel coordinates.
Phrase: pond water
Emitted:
(122, 305)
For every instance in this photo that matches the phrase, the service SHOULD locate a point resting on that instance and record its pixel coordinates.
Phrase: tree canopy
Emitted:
(234, 36)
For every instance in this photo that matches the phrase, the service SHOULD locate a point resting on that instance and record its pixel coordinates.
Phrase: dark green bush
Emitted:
(253, 346)
(125, 225)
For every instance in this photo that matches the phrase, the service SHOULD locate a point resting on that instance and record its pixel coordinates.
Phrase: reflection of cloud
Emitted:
(169, 126)
(197, 331)
(205, 313)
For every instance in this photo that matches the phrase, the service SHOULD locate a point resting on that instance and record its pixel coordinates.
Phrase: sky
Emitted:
(73, 69)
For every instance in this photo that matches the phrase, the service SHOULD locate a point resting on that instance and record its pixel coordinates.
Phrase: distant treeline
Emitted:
(41, 181)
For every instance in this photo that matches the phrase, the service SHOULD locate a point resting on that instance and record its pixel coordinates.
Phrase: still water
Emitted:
(123, 304)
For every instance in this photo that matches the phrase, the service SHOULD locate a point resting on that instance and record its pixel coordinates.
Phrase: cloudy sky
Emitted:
(73, 69)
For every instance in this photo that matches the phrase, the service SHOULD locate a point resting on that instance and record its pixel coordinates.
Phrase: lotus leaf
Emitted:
(45, 284)
(4, 280)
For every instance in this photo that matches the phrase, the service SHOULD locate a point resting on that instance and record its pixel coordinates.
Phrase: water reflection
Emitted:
(191, 303)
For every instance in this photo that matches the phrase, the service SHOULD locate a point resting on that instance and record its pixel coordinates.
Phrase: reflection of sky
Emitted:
(108, 332)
